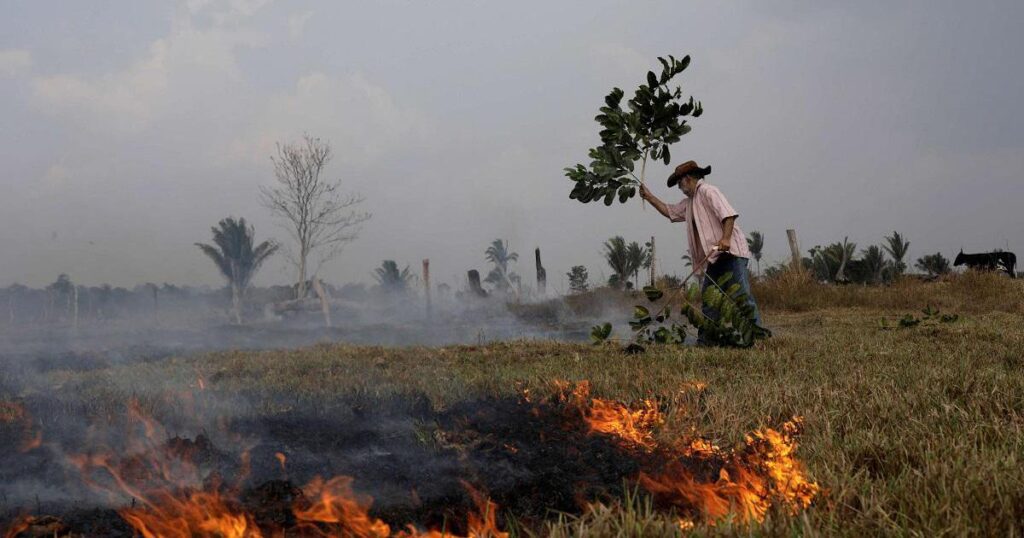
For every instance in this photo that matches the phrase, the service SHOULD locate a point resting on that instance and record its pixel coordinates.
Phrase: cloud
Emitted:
(186, 62)
(361, 119)
(14, 62)
(297, 23)
(224, 11)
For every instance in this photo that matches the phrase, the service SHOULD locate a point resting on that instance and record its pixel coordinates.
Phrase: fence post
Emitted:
(426, 283)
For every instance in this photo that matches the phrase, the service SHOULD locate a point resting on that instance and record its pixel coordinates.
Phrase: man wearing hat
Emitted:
(717, 245)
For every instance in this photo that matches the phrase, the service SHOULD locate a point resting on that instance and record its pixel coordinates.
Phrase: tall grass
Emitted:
(971, 292)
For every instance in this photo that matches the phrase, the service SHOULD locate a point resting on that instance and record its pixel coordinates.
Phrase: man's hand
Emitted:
(723, 245)
(644, 193)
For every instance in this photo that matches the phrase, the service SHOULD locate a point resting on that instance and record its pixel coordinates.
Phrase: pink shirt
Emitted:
(708, 207)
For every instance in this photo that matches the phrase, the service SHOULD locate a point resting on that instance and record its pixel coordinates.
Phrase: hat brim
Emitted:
(699, 172)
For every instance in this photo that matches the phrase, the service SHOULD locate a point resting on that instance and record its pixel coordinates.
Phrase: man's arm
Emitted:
(727, 226)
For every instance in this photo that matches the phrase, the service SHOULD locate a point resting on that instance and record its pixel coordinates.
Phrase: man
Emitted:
(713, 233)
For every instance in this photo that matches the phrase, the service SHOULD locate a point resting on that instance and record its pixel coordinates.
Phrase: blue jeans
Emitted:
(727, 263)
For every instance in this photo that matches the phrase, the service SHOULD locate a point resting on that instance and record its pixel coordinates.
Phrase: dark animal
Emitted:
(992, 261)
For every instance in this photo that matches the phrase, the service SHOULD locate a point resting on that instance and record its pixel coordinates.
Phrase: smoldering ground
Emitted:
(63, 405)
(74, 456)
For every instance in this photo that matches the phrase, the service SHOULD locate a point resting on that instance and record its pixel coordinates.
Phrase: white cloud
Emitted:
(186, 62)
(14, 61)
(360, 119)
(226, 10)
(297, 23)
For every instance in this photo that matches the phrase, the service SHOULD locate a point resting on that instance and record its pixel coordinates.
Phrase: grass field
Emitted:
(909, 431)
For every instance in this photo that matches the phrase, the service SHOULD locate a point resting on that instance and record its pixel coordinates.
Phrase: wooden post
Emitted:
(654, 271)
(426, 283)
(542, 275)
(794, 249)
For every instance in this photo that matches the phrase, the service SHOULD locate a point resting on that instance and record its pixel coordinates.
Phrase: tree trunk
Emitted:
(236, 303)
(654, 272)
(794, 249)
(74, 315)
(325, 306)
(474, 283)
(542, 275)
(300, 290)
(841, 273)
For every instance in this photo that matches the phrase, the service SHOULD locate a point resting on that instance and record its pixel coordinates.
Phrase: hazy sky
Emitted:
(132, 127)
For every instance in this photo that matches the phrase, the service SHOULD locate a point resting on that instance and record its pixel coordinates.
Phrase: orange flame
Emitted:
(19, 526)
(749, 481)
(200, 513)
(338, 509)
(609, 417)
(176, 502)
(282, 459)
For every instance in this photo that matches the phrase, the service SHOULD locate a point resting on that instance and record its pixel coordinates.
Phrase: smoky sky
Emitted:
(130, 128)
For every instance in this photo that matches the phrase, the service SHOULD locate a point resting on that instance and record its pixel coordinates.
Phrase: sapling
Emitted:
(734, 326)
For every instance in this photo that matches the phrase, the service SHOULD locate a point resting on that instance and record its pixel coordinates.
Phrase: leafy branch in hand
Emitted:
(652, 121)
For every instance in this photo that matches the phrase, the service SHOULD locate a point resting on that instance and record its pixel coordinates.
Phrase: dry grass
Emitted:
(972, 292)
(912, 431)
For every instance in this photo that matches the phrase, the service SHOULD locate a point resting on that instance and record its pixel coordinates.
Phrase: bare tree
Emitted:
(317, 215)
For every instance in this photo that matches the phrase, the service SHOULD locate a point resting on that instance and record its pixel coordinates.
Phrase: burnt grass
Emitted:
(532, 459)
(911, 431)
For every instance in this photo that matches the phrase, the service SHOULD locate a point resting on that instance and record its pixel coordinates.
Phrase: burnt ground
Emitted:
(531, 459)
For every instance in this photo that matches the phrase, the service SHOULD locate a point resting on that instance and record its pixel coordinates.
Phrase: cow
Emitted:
(992, 261)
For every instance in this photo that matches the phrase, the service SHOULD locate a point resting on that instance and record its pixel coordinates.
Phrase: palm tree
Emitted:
(499, 255)
(847, 250)
(756, 244)
(638, 257)
(897, 248)
(873, 262)
(616, 253)
(390, 278)
(236, 257)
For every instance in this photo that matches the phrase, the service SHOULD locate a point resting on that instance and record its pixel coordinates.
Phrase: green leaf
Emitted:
(638, 324)
(652, 79)
(640, 312)
(600, 333)
(613, 98)
(653, 293)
